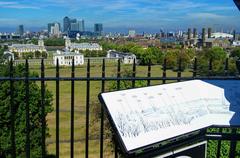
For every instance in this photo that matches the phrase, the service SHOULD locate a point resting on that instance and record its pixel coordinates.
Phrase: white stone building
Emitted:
(65, 58)
(7, 55)
(23, 48)
(236, 43)
(126, 58)
(221, 35)
(82, 46)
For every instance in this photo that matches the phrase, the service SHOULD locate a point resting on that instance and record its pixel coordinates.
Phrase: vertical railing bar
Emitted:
(134, 73)
(43, 120)
(164, 70)
(233, 145)
(72, 109)
(87, 108)
(118, 88)
(149, 73)
(12, 108)
(118, 74)
(219, 144)
(195, 68)
(102, 111)
(179, 69)
(57, 109)
(210, 67)
(226, 67)
(27, 109)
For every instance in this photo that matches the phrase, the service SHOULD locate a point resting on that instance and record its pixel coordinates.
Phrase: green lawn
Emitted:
(80, 108)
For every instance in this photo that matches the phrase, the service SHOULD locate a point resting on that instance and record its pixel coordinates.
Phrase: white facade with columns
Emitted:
(65, 58)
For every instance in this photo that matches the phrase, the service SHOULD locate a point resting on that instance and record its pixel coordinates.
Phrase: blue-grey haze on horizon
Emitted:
(121, 15)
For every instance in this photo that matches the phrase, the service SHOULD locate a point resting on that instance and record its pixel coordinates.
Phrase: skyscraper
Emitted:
(49, 27)
(209, 32)
(189, 33)
(74, 26)
(203, 37)
(73, 20)
(55, 30)
(66, 24)
(194, 33)
(98, 28)
(81, 26)
(234, 35)
(20, 30)
(78, 26)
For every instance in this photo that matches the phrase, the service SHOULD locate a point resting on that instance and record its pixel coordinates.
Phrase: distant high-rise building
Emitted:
(74, 26)
(73, 20)
(98, 28)
(69, 24)
(55, 30)
(81, 26)
(209, 32)
(78, 26)
(66, 24)
(203, 36)
(194, 33)
(234, 35)
(189, 34)
(20, 30)
(49, 27)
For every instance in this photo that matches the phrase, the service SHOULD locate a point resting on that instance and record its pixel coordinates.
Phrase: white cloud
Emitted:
(219, 8)
(184, 4)
(206, 16)
(16, 5)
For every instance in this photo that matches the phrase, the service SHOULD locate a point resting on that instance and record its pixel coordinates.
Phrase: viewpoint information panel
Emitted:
(149, 115)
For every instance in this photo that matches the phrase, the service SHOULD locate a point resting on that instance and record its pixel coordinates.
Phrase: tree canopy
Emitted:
(20, 114)
(235, 53)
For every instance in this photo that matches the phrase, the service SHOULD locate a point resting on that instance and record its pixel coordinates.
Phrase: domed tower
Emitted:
(41, 43)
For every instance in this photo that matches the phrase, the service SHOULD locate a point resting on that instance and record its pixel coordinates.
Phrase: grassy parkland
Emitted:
(80, 106)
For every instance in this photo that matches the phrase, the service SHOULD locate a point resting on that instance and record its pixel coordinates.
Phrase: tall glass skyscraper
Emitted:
(66, 24)
(49, 27)
(98, 28)
(20, 30)
(81, 26)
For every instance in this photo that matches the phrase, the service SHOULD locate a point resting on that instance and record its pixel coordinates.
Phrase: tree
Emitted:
(54, 42)
(44, 55)
(218, 57)
(20, 112)
(37, 54)
(96, 107)
(235, 53)
(215, 53)
(155, 54)
(171, 59)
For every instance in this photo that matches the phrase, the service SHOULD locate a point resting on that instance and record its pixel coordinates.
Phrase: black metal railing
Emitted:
(220, 136)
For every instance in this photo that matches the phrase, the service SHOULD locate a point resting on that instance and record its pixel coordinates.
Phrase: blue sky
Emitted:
(116, 14)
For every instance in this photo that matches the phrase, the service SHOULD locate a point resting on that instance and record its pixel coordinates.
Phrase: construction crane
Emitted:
(237, 2)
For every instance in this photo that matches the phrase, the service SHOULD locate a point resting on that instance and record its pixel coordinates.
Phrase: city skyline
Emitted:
(121, 14)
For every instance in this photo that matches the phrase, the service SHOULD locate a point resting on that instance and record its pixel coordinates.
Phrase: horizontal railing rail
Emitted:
(88, 79)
